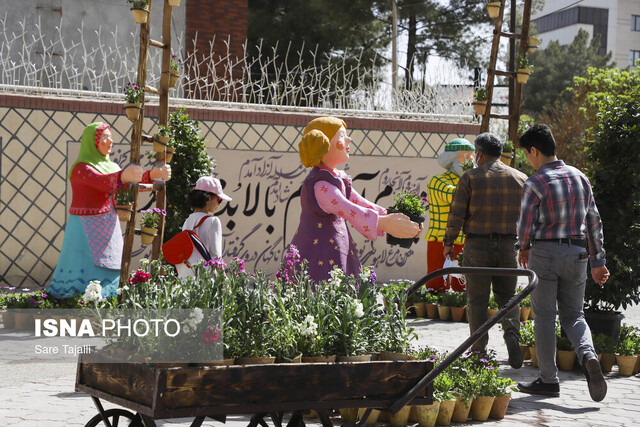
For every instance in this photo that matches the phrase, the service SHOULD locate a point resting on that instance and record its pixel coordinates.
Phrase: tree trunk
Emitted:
(411, 51)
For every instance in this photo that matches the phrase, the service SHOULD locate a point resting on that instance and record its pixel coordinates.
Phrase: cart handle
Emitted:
(479, 333)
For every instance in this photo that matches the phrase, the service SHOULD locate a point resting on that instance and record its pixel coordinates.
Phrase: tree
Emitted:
(555, 68)
(189, 163)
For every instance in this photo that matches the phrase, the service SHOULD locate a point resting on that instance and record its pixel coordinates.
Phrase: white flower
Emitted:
(195, 318)
(93, 292)
(144, 263)
(119, 291)
(359, 309)
(379, 299)
(309, 327)
(336, 275)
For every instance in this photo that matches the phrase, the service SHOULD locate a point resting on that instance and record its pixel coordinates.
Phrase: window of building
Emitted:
(633, 55)
(635, 22)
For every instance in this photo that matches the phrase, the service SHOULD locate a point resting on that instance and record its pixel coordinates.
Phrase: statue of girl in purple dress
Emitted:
(329, 201)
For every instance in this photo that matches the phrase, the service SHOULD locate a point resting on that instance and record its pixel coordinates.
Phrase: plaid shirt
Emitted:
(487, 201)
(558, 203)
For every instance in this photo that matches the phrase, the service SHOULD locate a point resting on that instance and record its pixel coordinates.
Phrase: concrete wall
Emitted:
(256, 153)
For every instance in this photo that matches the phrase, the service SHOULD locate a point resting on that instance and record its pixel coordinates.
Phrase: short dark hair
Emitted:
(489, 144)
(198, 198)
(539, 136)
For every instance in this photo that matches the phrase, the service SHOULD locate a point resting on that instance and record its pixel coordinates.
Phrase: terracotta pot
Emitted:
(168, 155)
(432, 311)
(160, 143)
(132, 110)
(636, 369)
(174, 3)
(461, 411)
(626, 364)
(400, 418)
(124, 212)
(445, 412)
(223, 362)
(390, 355)
(372, 418)
(349, 415)
(565, 359)
(457, 314)
(420, 308)
(174, 77)
(23, 320)
(532, 315)
(491, 312)
(444, 312)
(523, 75)
(494, 9)
(319, 359)
(148, 234)
(481, 407)
(524, 313)
(480, 107)
(8, 319)
(425, 415)
(140, 15)
(525, 352)
(534, 42)
(500, 406)
(358, 358)
(606, 362)
(254, 360)
(534, 356)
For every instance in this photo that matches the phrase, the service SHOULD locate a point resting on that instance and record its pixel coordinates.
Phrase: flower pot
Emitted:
(523, 75)
(400, 418)
(481, 407)
(319, 359)
(534, 356)
(604, 323)
(626, 364)
(390, 355)
(357, 358)
(425, 415)
(534, 42)
(132, 110)
(174, 3)
(223, 362)
(444, 312)
(254, 360)
(432, 310)
(124, 212)
(23, 320)
(532, 315)
(565, 359)
(8, 319)
(493, 8)
(457, 314)
(480, 107)
(461, 411)
(500, 406)
(372, 418)
(349, 415)
(174, 76)
(526, 354)
(606, 361)
(491, 312)
(445, 412)
(404, 243)
(524, 313)
(507, 159)
(148, 234)
(168, 155)
(140, 15)
(636, 369)
(421, 310)
(160, 143)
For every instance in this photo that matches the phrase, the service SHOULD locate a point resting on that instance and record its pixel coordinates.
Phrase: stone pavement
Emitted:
(42, 394)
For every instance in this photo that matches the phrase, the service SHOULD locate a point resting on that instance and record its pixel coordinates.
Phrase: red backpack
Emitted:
(179, 248)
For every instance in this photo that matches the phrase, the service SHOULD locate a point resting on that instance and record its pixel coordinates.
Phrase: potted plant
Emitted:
(566, 356)
(493, 7)
(524, 69)
(174, 3)
(444, 310)
(124, 202)
(443, 393)
(174, 70)
(149, 224)
(457, 301)
(162, 137)
(133, 95)
(527, 338)
(480, 101)
(414, 206)
(507, 153)
(430, 298)
(627, 350)
(534, 42)
(493, 305)
(502, 398)
(140, 10)
(605, 347)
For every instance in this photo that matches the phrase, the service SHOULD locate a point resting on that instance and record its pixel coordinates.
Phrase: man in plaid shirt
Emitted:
(486, 205)
(558, 221)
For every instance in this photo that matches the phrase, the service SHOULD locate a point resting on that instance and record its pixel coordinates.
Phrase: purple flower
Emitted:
(489, 368)
(483, 360)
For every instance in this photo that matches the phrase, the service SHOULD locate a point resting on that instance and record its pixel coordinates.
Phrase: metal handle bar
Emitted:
(479, 333)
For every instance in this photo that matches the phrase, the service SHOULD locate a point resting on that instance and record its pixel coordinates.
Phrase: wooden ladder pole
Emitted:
(524, 45)
(493, 59)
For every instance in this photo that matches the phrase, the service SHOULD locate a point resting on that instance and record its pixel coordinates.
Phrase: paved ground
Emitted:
(37, 394)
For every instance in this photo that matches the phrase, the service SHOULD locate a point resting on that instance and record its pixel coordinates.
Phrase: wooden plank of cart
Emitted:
(158, 392)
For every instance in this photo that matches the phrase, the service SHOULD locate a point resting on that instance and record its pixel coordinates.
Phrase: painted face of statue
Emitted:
(339, 150)
(105, 143)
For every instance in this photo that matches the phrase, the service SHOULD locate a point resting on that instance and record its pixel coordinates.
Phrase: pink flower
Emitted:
(211, 335)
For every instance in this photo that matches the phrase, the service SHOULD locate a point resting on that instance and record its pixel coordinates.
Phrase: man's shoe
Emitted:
(595, 379)
(513, 347)
(538, 387)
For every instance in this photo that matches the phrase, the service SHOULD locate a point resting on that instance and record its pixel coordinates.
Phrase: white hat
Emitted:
(210, 184)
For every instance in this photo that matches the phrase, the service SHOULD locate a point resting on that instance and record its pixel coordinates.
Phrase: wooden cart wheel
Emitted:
(117, 417)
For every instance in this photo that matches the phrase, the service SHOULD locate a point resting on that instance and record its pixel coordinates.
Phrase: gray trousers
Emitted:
(562, 273)
(485, 252)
